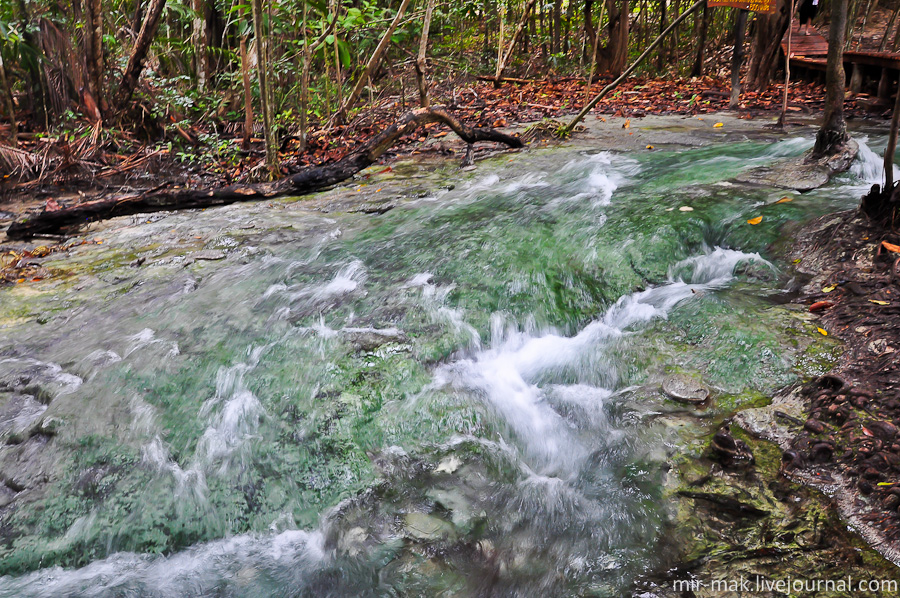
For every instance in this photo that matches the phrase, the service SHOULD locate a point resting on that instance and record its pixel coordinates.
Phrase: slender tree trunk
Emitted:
(873, 4)
(339, 77)
(833, 133)
(589, 33)
(93, 40)
(265, 87)
(9, 105)
(888, 29)
(891, 148)
(420, 59)
(661, 58)
(896, 42)
(787, 66)
(587, 108)
(852, 14)
(136, 60)
(557, 26)
(373, 63)
(697, 70)
(567, 26)
(590, 79)
(199, 38)
(504, 59)
(737, 57)
(248, 96)
(304, 80)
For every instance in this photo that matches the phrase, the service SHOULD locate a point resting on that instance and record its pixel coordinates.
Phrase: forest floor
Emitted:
(90, 162)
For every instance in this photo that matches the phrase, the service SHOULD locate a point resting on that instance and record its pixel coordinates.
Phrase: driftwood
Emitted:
(306, 181)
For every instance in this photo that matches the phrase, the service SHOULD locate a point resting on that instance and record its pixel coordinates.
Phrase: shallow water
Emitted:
(458, 396)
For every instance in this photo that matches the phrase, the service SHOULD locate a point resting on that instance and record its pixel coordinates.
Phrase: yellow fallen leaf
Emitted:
(798, 260)
(717, 125)
(649, 147)
(822, 331)
(891, 247)
(877, 302)
(829, 288)
(784, 200)
(886, 483)
(756, 220)
(377, 190)
(627, 123)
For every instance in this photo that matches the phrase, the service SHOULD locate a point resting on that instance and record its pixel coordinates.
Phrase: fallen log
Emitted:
(306, 181)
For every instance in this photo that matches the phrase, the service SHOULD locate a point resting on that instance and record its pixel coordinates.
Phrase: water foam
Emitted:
(508, 376)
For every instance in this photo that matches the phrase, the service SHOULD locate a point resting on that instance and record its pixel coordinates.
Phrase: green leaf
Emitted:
(344, 53)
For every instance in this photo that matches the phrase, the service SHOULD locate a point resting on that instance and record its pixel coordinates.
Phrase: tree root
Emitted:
(306, 181)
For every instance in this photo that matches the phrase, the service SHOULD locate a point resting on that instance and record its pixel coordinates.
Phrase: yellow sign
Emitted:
(760, 6)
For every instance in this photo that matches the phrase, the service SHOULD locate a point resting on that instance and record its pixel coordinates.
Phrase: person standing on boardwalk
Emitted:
(808, 11)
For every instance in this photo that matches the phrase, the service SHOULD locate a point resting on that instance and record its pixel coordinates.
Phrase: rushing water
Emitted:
(459, 397)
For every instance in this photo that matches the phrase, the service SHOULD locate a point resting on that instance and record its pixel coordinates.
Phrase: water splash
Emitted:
(869, 166)
(281, 564)
(508, 376)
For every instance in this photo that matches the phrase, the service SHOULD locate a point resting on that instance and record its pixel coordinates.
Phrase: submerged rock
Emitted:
(789, 174)
(803, 173)
(730, 451)
(427, 527)
(685, 389)
(369, 339)
(17, 414)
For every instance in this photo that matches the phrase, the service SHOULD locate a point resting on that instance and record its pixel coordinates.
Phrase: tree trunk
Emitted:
(765, 47)
(265, 86)
(420, 59)
(590, 79)
(248, 96)
(139, 52)
(833, 133)
(737, 57)
(373, 63)
(888, 29)
(567, 26)
(611, 58)
(787, 67)
(93, 41)
(339, 78)
(198, 41)
(697, 70)
(881, 204)
(589, 33)
(873, 4)
(304, 79)
(9, 105)
(504, 59)
(661, 58)
(587, 108)
(306, 181)
(557, 26)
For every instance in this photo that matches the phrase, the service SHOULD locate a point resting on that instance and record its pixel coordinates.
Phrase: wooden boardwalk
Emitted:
(870, 73)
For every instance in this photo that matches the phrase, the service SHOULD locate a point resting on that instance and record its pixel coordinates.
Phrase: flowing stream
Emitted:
(458, 397)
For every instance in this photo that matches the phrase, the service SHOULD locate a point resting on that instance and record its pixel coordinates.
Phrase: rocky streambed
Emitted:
(468, 393)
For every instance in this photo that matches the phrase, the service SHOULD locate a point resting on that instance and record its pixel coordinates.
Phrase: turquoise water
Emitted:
(458, 397)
